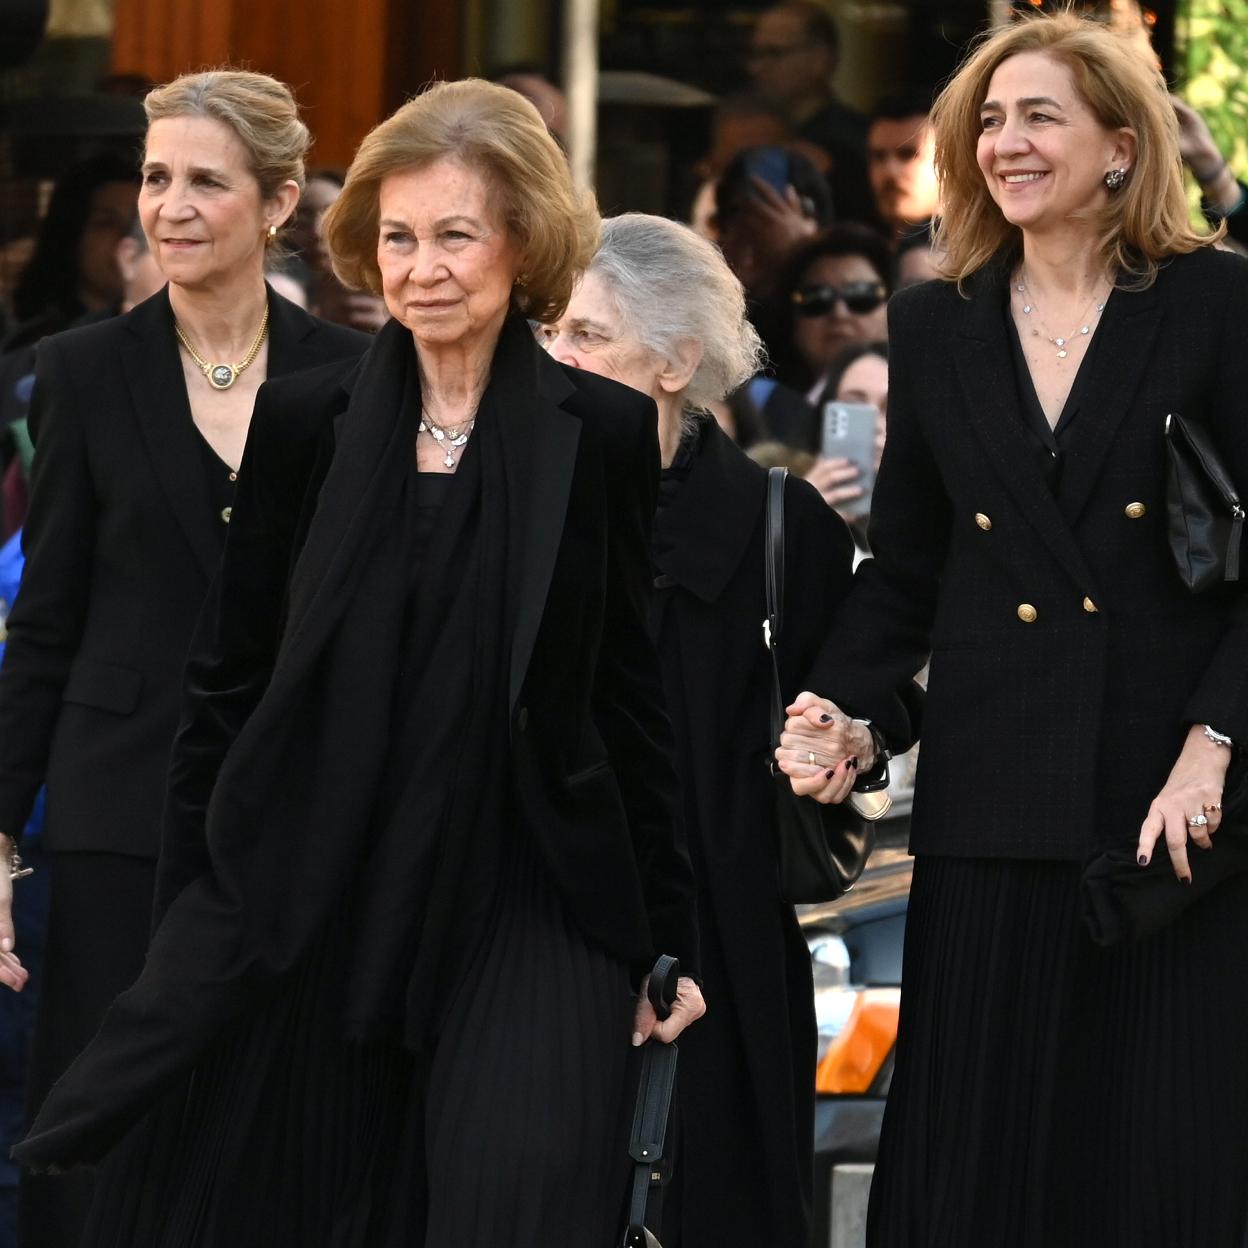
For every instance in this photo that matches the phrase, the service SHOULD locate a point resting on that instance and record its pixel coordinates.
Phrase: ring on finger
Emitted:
(810, 758)
(1212, 808)
(1198, 821)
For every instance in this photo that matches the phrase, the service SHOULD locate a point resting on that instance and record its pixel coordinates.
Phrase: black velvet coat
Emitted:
(1067, 658)
(285, 721)
(121, 542)
(746, 1089)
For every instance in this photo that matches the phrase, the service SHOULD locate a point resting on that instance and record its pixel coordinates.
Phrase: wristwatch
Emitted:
(877, 778)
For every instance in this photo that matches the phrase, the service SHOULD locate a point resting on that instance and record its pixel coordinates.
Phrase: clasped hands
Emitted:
(822, 750)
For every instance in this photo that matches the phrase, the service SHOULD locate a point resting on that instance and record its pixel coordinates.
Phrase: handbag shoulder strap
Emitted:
(774, 569)
(776, 478)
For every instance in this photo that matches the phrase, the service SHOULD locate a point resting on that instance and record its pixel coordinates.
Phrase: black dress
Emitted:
(509, 1130)
(1047, 1091)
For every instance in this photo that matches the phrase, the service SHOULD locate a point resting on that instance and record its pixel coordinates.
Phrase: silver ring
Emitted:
(810, 758)
(1198, 821)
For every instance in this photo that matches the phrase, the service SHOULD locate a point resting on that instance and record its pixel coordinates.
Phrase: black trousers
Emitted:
(99, 920)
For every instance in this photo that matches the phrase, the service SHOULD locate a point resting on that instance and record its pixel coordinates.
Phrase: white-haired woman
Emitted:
(660, 310)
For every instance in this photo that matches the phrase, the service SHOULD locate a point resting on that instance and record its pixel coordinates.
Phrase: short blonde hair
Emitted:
(501, 135)
(260, 110)
(1142, 223)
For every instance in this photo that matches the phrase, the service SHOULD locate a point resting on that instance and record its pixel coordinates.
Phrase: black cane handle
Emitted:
(664, 981)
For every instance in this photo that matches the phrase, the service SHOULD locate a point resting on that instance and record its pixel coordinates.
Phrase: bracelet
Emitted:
(16, 870)
(1219, 738)
(1211, 178)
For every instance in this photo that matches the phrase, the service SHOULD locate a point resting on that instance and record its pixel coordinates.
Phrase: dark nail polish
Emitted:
(825, 719)
(1187, 879)
(827, 775)
(852, 764)
(1142, 860)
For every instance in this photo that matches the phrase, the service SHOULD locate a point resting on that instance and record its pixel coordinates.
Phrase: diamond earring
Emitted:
(1115, 178)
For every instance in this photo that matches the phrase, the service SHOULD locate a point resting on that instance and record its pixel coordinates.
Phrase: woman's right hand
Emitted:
(834, 479)
(12, 973)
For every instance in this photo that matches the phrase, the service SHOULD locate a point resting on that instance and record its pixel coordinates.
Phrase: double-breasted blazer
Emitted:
(1067, 658)
(121, 543)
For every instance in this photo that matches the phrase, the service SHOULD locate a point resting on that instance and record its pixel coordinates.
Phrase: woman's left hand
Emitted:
(1194, 788)
(687, 1008)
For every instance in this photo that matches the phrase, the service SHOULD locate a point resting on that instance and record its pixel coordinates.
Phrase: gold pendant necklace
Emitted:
(223, 376)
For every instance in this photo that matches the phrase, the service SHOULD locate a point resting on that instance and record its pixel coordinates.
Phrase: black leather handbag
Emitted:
(1204, 512)
(821, 849)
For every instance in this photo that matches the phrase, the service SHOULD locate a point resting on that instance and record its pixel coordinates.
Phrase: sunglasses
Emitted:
(820, 300)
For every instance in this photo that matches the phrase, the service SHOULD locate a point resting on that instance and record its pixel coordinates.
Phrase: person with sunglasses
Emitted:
(836, 291)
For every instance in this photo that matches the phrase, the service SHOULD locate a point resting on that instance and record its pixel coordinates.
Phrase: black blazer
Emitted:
(590, 739)
(121, 543)
(1067, 659)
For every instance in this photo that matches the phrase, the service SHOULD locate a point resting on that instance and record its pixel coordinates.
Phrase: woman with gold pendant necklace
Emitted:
(140, 424)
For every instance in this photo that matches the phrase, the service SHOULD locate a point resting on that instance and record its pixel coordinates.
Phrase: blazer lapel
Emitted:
(540, 436)
(991, 393)
(1128, 328)
(153, 371)
(292, 334)
(368, 449)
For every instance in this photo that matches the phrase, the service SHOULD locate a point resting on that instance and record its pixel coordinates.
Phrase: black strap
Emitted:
(774, 567)
(647, 1142)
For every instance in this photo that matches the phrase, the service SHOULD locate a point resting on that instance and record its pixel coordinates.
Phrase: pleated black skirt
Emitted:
(1052, 1094)
(511, 1134)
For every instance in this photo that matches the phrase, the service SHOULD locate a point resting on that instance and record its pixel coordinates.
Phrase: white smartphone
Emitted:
(849, 433)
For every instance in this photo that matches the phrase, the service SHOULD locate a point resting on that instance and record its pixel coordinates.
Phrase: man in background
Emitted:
(901, 150)
(794, 51)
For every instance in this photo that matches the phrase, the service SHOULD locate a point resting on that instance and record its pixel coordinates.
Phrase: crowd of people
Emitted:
(385, 688)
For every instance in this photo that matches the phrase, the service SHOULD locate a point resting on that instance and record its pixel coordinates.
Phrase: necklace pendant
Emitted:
(1061, 342)
(438, 435)
(449, 461)
(1061, 355)
(222, 376)
(1027, 309)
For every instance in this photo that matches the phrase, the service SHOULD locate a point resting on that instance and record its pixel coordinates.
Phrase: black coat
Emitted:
(1068, 660)
(747, 1081)
(590, 739)
(121, 542)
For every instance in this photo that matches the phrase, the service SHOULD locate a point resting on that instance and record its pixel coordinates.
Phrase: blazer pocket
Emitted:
(103, 686)
(587, 773)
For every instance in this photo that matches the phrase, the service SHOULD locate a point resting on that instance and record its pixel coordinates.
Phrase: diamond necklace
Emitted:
(1029, 306)
(451, 438)
(223, 376)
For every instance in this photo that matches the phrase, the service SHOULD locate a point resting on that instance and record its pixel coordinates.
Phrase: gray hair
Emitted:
(670, 285)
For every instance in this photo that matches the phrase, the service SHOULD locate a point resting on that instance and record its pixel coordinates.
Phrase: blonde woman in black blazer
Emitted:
(138, 454)
(1047, 1090)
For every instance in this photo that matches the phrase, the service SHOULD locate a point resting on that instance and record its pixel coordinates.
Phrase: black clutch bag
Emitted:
(1122, 901)
(1204, 513)
(821, 849)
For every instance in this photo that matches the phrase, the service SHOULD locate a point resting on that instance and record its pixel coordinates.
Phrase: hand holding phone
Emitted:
(849, 433)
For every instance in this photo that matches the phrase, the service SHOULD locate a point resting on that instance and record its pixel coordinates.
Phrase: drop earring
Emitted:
(272, 234)
(1115, 178)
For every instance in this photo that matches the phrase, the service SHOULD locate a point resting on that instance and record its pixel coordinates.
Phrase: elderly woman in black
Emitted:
(1081, 700)
(660, 310)
(419, 846)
